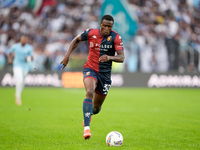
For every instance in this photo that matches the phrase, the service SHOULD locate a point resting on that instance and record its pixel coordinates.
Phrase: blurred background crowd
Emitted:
(167, 37)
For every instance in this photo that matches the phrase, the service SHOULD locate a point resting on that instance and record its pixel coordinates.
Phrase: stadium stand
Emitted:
(168, 36)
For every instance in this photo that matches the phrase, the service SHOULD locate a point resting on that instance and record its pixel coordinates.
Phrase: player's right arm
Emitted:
(11, 54)
(72, 46)
(10, 58)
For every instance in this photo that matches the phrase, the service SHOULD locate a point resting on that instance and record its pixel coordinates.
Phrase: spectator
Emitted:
(175, 21)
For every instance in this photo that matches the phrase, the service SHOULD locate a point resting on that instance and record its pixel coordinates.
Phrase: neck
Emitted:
(100, 32)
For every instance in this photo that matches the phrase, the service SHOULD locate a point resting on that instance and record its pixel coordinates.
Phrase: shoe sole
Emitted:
(87, 137)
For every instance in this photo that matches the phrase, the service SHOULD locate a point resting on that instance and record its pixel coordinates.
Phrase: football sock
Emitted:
(87, 111)
(86, 127)
(18, 95)
(18, 89)
(94, 112)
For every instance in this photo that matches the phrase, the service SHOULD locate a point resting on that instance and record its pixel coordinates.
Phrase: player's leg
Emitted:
(101, 92)
(90, 85)
(24, 76)
(18, 74)
(97, 103)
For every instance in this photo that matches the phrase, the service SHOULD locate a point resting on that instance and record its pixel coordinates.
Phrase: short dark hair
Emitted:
(25, 35)
(107, 17)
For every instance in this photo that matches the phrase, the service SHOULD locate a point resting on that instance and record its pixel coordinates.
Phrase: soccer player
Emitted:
(105, 46)
(20, 55)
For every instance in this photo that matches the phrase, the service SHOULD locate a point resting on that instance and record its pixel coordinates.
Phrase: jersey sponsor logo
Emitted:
(91, 44)
(109, 38)
(102, 47)
(106, 46)
(97, 45)
(94, 36)
(120, 37)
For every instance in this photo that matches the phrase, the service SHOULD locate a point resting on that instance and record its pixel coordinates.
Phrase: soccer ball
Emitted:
(114, 138)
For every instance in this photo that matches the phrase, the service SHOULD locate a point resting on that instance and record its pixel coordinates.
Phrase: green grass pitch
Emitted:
(149, 119)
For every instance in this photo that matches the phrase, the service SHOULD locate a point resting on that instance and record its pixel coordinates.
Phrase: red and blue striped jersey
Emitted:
(100, 45)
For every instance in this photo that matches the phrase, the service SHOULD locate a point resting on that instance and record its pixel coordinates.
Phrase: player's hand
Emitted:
(28, 58)
(104, 58)
(64, 62)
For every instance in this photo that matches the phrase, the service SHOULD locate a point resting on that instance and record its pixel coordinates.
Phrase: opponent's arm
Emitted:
(117, 58)
(11, 54)
(10, 58)
(72, 46)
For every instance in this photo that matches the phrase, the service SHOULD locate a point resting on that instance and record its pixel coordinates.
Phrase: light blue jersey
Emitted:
(21, 52)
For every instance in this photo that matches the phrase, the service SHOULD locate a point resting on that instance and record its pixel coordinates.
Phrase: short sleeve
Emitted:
(31, 51)
(84, 35)
(118, 44)
(12, 49)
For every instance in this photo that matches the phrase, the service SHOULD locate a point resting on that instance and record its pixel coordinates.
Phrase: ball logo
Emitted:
(109, 140)
(109, 38)
(114, 138)
(118, 143)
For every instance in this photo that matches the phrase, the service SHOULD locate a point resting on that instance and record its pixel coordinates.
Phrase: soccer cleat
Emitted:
(87, 134)
(90, 121)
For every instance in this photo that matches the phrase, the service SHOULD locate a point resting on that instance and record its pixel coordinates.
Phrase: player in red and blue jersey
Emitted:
(105, 46)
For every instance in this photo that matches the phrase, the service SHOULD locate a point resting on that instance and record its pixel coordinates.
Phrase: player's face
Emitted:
(23, 40)
(106, 27)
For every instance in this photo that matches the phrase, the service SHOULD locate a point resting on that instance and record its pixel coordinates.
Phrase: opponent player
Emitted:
(22, 53)
(103, 44)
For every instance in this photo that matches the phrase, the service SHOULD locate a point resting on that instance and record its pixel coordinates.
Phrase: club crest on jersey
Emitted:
(109, 38)
(88, 73)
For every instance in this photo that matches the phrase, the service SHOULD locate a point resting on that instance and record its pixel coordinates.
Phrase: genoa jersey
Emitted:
(100, 45)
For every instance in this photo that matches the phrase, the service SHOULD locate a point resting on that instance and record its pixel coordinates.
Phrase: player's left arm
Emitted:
(117, 58)
(29, 57)
(10, 58)
(11, 54)
(118, 48)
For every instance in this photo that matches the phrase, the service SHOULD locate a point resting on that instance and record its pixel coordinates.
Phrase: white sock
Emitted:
(18, 95)
(86, 127)
(19, 88)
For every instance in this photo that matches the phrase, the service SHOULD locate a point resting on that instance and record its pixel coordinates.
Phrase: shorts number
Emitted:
(106, 88)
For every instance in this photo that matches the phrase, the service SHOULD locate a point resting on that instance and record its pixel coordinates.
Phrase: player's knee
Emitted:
(90, 93)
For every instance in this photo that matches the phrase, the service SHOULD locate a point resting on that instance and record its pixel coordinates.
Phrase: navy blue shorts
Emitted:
(103, 84)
